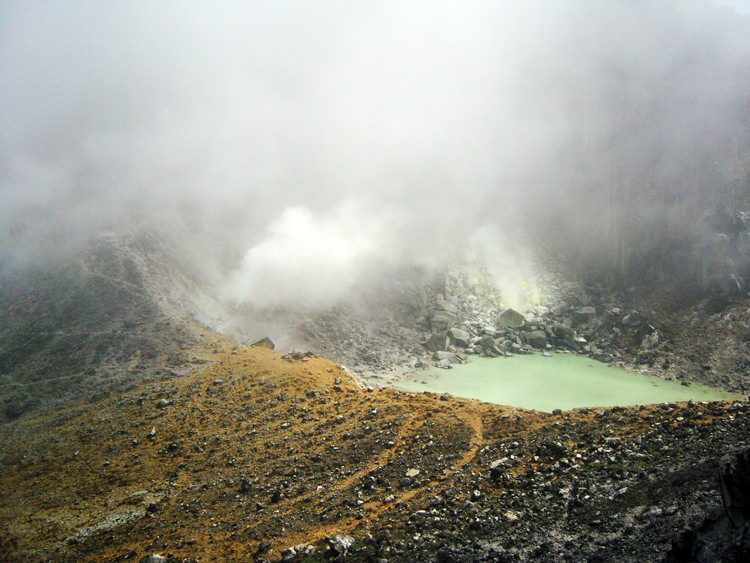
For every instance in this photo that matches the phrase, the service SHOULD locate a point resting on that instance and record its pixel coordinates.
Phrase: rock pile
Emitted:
(577, 319)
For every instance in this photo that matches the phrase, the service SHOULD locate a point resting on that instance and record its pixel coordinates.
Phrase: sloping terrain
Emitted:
(131, 428)
(257, 452)
(121, 311)
(707, 339)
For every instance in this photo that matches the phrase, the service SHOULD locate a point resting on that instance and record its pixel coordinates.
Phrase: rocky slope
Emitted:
(259, 452)
(132, 429)
(120, 311)
(678, 332)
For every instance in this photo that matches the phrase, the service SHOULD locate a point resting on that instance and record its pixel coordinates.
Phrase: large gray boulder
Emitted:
(450, 357)
(460, 337)
(562, 331)
(510, 318)
(537, 338)
(632, 319)
(436, 341)
(339, 544)
(488, 347)
(441, 320)
(734, 478)
(264, 342)
(584, 314)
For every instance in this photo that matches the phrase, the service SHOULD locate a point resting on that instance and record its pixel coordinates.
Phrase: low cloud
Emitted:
(308, 260)
(294, 146)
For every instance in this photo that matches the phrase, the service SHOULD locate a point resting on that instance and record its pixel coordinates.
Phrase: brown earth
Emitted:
(260, 447)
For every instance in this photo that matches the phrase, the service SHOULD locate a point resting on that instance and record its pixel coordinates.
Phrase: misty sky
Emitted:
(289, 141)
(741, 6)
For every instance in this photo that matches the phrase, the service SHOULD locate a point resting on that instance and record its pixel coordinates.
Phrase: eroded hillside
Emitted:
(123, 310)
(258, 452)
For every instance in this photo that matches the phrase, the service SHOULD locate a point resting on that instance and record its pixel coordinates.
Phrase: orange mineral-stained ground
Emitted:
(254, 447)
(257, 447)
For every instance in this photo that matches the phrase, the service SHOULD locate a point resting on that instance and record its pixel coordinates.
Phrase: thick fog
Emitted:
(294, 148)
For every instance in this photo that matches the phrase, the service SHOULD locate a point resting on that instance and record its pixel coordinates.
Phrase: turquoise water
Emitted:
(561, 381)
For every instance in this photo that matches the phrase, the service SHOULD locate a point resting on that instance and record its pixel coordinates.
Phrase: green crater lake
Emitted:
(561, 381)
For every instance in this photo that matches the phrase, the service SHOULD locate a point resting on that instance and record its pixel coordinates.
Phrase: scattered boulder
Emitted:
(441, 320)
(264, 342)
(264, 546)
(488, 346)
(437, 341)
(722, 535)
(510, 318)
(339, 544)
(632, 319)
(734, 478)
(301, 550)
(562, 331)
(551, 449)
(537, 338)
(296, 356)
(153, 558)
(460, 337)
(443, 355)
(584, 314)
(498, 469)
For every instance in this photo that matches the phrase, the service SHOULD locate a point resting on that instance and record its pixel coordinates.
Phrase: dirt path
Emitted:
(472, 417)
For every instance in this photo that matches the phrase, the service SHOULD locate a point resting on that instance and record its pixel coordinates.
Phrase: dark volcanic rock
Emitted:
(437, 341)
(734, 476)
(632, 319)
(510, 318)
(460, 337)
(722, 535)
(264, 342)
(537, 338)
(584, 314)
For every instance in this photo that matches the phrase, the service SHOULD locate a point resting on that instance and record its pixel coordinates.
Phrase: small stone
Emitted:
(411, 473)
(584, 314)
(511, 516)
(632, 319)
(339, 544)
